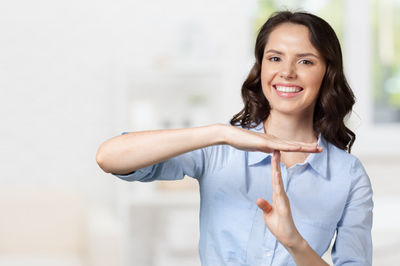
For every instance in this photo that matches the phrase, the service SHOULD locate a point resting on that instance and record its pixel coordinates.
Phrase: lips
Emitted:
(287, 91)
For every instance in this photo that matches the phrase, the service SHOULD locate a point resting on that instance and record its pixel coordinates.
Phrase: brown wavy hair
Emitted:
(335, 99)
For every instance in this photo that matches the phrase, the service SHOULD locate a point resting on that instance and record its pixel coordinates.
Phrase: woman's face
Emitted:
(292, 70)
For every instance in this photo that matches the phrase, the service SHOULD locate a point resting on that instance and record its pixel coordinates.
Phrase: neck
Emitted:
(290, 127)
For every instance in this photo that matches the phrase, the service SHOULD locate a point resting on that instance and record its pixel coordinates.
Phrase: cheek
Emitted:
(315, 80)
(315, 83)
(266, 77)
(266, 85)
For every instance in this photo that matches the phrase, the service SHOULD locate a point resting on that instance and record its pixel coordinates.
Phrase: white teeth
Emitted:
(287, 89)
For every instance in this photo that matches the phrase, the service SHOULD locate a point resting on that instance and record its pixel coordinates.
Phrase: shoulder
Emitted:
(346, 166)
(344, 160)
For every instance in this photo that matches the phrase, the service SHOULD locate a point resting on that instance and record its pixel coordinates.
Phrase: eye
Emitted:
(274, 59)
(306, 62)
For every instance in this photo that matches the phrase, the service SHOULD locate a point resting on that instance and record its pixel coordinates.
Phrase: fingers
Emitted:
(264, 205)
(277, 184)
(308, 147)
(302, 147)
(295, 146)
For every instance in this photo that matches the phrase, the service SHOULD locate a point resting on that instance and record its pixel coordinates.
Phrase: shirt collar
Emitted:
(318, 161)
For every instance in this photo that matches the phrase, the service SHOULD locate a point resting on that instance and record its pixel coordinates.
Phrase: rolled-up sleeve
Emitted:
(353, 244)
(191, 163)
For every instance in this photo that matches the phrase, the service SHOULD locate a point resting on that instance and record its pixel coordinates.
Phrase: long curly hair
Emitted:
(335, 99)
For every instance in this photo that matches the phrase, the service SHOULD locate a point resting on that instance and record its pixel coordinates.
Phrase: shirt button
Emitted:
(269, 253)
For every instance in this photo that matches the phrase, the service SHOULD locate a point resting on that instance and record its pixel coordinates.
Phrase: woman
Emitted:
(295, 96)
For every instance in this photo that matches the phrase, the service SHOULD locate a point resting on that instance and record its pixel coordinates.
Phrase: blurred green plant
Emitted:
(386, 27)
(330, 10)
(197, 99)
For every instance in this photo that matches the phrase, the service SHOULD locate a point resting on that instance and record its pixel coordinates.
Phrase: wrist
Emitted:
(221, 133)
(297, 245)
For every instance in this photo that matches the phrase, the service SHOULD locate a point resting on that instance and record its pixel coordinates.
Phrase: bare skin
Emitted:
(119, 155)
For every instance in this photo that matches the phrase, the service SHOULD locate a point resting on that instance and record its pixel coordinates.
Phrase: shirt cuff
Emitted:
(136, 175)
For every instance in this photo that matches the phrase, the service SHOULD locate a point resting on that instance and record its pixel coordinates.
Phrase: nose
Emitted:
(288, 71)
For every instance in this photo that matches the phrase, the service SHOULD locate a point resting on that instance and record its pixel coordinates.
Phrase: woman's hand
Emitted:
(248, 140)
(278, 217)
(279, 221)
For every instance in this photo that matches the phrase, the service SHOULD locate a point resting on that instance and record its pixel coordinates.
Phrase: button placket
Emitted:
(268, 248)
(270, 242)
(269, 253)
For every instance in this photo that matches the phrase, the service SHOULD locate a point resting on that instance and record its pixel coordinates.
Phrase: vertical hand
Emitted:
(278, 216)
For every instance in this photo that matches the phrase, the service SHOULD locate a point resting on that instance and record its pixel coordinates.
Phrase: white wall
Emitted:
(57, 79)
(67, 70)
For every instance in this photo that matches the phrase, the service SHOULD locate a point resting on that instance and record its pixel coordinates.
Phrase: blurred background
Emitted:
(75, 73)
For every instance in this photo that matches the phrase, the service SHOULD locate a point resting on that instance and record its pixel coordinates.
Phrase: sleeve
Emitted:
(192, 163)
(353, 244)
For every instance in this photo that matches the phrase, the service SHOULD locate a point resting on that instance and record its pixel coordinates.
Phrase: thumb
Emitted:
(264, 205)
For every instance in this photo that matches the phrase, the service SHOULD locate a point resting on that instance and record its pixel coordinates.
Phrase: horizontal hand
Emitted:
(248, 140)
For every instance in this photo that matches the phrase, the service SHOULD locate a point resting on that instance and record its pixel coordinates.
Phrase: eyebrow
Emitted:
(297, 55)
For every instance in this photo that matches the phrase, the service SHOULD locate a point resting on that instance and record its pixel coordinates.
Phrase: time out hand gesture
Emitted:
(278, 217)
(255, 141)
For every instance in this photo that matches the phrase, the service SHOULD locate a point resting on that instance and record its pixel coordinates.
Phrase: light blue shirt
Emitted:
(329, 193)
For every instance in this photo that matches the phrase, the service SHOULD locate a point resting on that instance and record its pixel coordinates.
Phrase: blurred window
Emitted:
(386, 61)
(330, 10)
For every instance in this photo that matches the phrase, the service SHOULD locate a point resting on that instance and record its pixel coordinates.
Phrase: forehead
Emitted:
(290, 36)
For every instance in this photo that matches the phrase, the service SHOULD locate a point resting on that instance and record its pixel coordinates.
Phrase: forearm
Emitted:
(129, 152)
(304, 255)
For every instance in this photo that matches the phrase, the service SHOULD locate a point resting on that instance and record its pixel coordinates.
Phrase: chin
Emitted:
(292, 110)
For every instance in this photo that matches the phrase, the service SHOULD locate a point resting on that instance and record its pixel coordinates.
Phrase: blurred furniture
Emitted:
(54, 227)
(161, 223)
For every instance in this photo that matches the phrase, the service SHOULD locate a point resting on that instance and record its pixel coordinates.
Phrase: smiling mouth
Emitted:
(288, 89)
